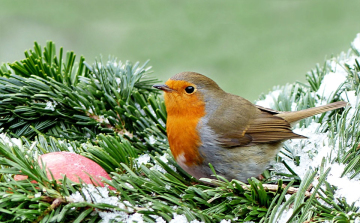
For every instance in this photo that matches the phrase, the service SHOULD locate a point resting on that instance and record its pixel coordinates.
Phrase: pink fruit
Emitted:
(72, 165)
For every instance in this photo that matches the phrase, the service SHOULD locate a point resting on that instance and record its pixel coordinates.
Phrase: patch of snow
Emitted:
(152, 110)
(196, 221)
(102, 119)
(346, 188)
(159, 219)
(50, 105)
(118, 216)
(179, 219)
(140, 109)
(98, 195)
(311, 150)
(285, 215)
(135, 218)
(71, 149)
(330, 83)
(164, 158)
(270, 98)
(161, 122)
(182, 219)
(143, 159)
(350, 96)
(356, 43)
(158, 168)
(10, 141)
(118, 81)
(152, 140)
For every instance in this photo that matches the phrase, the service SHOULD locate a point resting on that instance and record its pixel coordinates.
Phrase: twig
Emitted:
(273, 187)
(56, 203)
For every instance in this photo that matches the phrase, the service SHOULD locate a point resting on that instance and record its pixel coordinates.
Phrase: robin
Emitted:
(207, 125)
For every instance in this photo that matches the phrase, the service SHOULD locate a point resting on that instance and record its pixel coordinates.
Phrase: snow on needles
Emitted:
(356, 43)
(330, 83)
(100, 195)
(316, 147)
(10, 141)
(269, 101)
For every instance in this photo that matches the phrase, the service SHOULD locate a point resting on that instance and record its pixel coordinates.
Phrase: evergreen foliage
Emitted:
(110, 113)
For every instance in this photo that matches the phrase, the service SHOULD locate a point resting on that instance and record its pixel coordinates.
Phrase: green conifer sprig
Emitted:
(66, 100)
(149, 191)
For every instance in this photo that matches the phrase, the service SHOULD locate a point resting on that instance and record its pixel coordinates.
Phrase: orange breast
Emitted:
(184, 139)
(183, 115)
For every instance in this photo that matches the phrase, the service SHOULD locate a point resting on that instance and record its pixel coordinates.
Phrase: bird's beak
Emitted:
(163, 87)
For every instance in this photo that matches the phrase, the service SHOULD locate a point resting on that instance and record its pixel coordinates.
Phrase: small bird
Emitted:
(207, 125)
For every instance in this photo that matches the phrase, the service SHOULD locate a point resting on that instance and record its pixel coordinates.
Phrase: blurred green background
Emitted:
(246, 46)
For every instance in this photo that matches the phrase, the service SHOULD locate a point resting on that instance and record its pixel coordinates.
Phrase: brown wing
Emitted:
(263, 127)
(269, 128)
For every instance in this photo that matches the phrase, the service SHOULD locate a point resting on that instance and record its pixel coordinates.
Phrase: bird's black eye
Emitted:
(189, 89)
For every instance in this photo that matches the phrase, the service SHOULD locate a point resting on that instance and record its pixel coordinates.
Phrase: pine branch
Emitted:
(109, 112)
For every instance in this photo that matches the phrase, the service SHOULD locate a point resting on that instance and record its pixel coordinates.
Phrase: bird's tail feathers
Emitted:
(298, 115)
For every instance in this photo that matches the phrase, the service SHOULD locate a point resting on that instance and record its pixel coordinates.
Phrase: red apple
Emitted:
(72, 165)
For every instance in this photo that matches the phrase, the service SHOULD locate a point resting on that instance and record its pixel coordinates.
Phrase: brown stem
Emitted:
(55, 203)
(273, 187)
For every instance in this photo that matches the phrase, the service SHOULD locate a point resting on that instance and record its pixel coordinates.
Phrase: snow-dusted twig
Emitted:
(274, 188)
